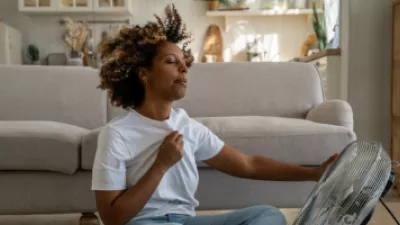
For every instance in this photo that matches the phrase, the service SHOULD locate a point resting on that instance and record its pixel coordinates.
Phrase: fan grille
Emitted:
(350, 188)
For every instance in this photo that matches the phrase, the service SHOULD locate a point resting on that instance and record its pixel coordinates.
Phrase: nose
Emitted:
(183, 68)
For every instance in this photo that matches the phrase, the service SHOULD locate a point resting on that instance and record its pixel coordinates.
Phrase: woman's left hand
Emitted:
(321, 169)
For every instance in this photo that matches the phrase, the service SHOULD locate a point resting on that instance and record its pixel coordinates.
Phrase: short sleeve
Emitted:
(109, 169)
(209, 144)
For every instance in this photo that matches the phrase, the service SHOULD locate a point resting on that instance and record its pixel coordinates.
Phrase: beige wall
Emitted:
(366, 39)
(283, 34)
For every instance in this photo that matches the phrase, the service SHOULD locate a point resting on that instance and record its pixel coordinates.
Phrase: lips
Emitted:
(181, 81)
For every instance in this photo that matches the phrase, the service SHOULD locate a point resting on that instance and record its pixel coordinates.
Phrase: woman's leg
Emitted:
(164, 220)
(257, 215)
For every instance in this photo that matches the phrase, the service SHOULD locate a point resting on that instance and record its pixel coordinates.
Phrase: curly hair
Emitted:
(134, 48)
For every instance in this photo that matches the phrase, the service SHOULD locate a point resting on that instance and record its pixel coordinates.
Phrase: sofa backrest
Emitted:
(264, 89)
(52, 93)
(69, 94)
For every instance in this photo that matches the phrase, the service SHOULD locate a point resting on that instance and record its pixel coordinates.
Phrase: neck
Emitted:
(156, 110)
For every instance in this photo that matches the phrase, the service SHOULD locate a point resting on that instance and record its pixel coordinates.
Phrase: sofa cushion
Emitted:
(65, 94)
(296, 141)
(40, 145)
(278, 89)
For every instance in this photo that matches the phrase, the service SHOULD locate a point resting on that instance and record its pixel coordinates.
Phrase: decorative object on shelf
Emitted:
(90, 51)
(225, 3)
(274, 4)
(255, 51)
(75, 58)
(76, 38)
(33, 54)
(311, 40)
(319, 28)
(298, 4)
(267, 4)
(241, 4)
(213, 5)
(283, 4)
(213, 45)
(57, 59)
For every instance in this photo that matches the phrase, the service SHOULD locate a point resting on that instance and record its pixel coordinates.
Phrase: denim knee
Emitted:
(269, 214)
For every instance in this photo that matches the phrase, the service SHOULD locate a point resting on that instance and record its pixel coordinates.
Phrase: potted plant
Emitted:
(76, 39)
(241, 4)
(215, 4)
(33, 54)
(319, 28)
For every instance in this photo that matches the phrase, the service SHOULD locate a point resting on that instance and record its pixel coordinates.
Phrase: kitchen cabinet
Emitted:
(122, 6)
(37, 5)
(51, 7)
(74, 6)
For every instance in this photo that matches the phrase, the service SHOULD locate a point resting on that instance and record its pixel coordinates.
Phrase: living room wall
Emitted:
(366, 58)
(284, 34)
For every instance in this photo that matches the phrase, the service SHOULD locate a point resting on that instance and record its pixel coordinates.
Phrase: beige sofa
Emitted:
(49, 120)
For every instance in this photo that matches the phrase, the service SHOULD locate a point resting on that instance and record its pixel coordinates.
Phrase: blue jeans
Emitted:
(257, 215)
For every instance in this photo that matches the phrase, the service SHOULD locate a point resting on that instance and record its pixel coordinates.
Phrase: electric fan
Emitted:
(350, 188)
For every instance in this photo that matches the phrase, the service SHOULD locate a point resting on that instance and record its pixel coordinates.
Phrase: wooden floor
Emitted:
(381, 217)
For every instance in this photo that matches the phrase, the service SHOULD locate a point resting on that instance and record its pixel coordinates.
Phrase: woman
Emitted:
(145, 166)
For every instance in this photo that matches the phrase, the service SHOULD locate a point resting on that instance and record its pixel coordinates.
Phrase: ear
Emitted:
(143, 73)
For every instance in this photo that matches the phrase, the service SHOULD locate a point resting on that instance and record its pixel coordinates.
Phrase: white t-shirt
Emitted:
(128, 146)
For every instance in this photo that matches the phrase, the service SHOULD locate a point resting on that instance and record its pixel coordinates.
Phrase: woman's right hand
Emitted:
(171, 151)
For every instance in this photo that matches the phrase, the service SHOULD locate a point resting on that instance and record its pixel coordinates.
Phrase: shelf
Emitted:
(243, 13)
(260, 13)
(319, 55)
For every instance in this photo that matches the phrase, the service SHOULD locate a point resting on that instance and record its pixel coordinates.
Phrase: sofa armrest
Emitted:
(89, 147)
(335, 112)
(40, 145)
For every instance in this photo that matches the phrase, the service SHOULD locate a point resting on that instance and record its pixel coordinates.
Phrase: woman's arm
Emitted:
(236, 163)
(118, 207)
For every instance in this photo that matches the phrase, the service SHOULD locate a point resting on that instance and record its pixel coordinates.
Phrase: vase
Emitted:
(37, 62)
(213, 5)
(241, 4)
(300, 4)
(75, 59)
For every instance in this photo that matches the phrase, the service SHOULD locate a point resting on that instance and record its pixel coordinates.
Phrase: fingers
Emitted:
(179, 138)
(331, 159)
(172, 136)
(180, 145)
(179, 141)
(176, 138)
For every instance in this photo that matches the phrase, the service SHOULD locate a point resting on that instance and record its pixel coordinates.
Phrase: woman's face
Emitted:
(167, 79)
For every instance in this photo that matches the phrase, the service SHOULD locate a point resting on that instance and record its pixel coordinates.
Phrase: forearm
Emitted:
(131, 202)
(268, 169)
